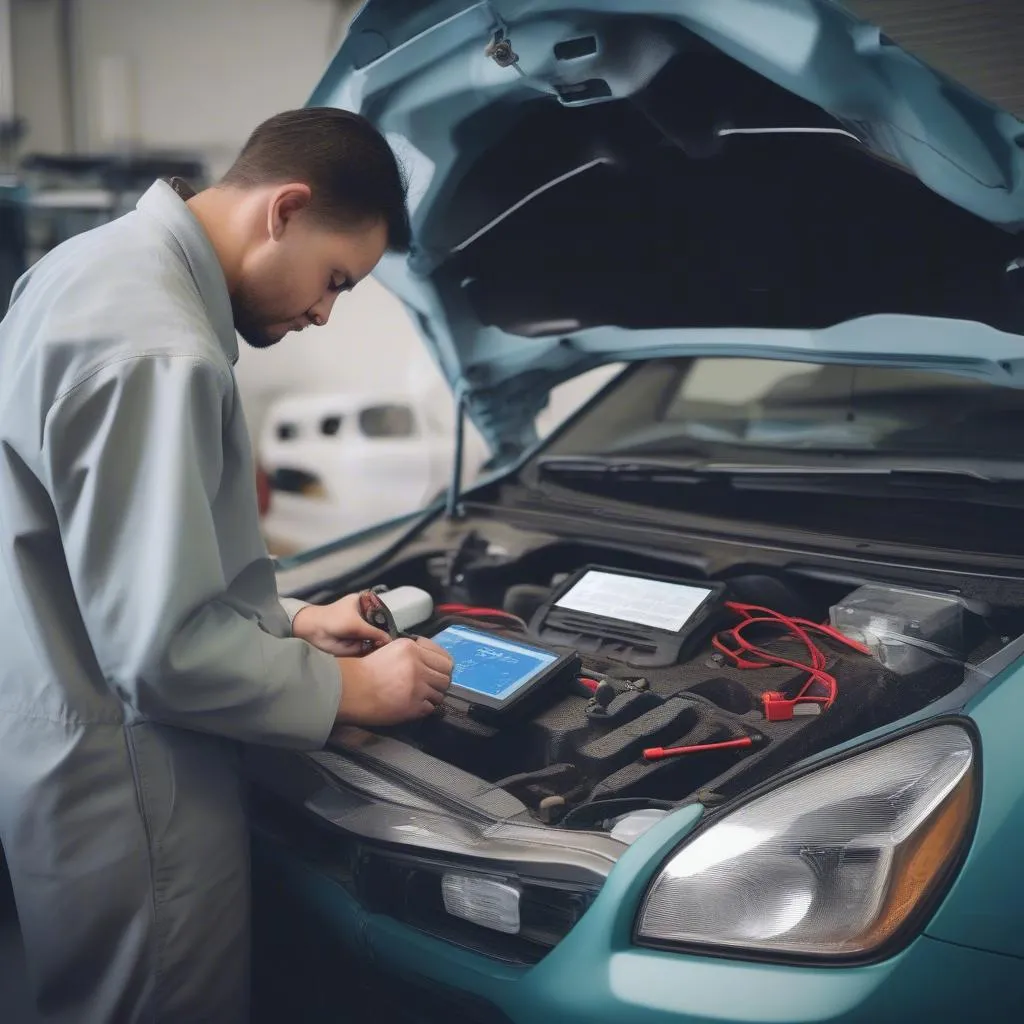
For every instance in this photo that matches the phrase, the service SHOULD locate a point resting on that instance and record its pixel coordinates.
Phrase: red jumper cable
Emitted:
(746, 655)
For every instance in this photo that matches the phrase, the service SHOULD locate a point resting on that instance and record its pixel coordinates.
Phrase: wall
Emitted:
(199, 73)
(977, 43)
(37, 73)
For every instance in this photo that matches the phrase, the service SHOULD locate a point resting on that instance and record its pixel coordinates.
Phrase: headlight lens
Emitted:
(832, 864)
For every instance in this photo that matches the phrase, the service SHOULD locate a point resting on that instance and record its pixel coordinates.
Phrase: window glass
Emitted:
(387, 421)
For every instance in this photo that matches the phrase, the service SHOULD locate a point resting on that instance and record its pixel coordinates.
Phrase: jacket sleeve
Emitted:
(135, 455)
(292, 606)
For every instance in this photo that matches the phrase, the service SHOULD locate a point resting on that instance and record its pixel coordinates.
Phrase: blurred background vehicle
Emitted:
(337, 463)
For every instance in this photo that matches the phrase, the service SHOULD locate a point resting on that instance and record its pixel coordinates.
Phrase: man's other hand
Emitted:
(338, 628)
(405, 680)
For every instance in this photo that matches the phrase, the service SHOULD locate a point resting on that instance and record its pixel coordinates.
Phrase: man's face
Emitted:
(291, 278)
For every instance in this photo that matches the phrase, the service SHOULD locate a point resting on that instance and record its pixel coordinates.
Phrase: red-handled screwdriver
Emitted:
(658, 753)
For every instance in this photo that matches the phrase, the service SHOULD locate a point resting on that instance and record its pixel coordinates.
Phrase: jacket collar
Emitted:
(163, 203)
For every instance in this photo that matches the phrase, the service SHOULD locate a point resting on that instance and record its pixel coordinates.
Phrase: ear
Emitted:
(285, 202)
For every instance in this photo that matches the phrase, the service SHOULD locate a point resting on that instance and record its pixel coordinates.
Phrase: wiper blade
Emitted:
(954, 473)
(654, 470)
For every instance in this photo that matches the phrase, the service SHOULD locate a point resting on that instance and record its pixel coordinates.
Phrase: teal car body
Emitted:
(967, 957)
(420, 72)
(445, 81)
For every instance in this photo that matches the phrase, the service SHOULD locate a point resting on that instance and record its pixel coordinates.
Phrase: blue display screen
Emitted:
(491, 665)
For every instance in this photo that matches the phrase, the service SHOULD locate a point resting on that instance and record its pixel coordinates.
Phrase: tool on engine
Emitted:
(376, 613)
(660, 753)
(395, 611)
(602, 691)
(779, 708)
(496, 676)
(600, 699)
(585, 686)
(628, 617)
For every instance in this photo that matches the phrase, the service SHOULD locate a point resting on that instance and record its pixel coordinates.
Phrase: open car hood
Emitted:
(609, 181)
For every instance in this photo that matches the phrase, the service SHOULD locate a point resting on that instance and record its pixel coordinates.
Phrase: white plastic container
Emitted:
(409, 606)
(905, 629)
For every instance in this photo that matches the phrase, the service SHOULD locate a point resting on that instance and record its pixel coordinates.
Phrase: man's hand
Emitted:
(338, 628)
(405, 680)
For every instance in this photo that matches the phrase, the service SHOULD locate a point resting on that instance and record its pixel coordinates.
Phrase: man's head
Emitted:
(313, 201)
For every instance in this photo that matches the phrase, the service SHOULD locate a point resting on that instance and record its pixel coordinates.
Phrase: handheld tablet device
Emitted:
(496, 674)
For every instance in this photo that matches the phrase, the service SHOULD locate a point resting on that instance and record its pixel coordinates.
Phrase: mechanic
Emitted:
(143, 641)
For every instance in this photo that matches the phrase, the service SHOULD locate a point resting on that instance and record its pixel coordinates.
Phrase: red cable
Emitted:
(747, 609)
(471, 611)
(768, 659)
(815, 669)
(798, 629)
(467, 609)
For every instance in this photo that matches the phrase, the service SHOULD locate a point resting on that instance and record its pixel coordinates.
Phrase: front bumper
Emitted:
(332, 958)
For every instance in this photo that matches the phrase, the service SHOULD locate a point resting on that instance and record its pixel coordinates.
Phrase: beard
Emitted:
(252, 324)
(250, 328)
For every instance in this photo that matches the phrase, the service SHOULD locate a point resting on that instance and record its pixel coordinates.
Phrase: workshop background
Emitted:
(155, 88)
(97, 94)
(193, 78)
(99, 97)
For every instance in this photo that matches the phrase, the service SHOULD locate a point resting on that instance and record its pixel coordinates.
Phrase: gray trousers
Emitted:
(128, 853)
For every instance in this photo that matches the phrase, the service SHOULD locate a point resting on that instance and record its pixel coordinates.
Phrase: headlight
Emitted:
(832, 864)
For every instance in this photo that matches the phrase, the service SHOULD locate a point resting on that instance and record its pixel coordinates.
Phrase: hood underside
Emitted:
(684, 176)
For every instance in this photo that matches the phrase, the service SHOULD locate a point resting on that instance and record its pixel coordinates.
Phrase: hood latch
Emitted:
(499, 49)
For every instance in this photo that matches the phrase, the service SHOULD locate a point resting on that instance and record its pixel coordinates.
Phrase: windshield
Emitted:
(770, 411)
(873, 453)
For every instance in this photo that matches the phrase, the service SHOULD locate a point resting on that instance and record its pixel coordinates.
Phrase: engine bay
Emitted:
(748, 694)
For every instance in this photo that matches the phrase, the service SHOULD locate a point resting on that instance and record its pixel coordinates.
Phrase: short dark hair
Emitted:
(348, 165)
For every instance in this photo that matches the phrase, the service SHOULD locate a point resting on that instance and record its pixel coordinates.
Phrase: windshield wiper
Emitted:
(672, 471)
(935, 479)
